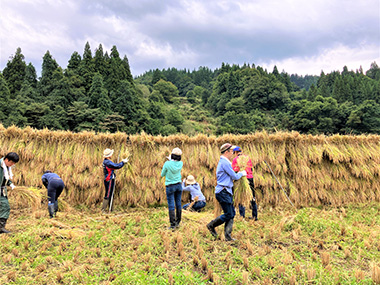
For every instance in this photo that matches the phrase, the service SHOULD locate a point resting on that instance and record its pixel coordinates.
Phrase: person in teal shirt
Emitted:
(172, 173)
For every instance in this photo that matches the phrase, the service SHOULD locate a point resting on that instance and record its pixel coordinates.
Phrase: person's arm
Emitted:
(113, 165)
(10, 183)
(187, 188)
(45, 182)
(228, 169)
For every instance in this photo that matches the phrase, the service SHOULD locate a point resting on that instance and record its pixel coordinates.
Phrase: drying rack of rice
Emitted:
(314, 170)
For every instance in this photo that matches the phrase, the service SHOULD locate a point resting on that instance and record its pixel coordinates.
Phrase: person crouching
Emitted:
(197, 197)
(54, 185)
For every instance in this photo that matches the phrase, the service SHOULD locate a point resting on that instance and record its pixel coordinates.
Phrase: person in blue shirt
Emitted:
(172, 173)
(109, 175)
(197, 197)
(54, 185)
(225, 176)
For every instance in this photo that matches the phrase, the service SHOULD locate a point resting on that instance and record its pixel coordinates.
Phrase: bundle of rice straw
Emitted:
(26, 197)
(242, 190)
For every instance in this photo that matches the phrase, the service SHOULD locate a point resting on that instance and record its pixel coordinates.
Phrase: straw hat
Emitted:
(226, 147)
(107, 152)
(190, 180)
(177, 151)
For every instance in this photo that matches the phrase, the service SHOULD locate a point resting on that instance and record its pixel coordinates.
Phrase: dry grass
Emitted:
(314, 170)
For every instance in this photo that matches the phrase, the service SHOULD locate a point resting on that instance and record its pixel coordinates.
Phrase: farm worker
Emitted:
(223, 192)
(109, 175)
(238, 152)
(197, 197)
(5, 179)
(172, 173)
(54, 185)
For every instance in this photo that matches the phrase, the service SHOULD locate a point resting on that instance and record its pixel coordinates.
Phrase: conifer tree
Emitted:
(99, 95)
(4, 98)
(86, 68)
(100, 64)
(49, 66)
(74, 61)
(14, 73)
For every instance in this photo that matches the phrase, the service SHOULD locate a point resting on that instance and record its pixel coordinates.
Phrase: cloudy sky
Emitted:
(299, 36)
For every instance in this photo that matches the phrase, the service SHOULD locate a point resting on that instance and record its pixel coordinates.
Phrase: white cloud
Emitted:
(328, 60)
(296, 35)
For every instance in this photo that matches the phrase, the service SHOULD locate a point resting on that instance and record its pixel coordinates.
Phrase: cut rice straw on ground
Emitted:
(26, 197)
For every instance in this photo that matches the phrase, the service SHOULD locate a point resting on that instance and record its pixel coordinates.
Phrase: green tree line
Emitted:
(98, 92)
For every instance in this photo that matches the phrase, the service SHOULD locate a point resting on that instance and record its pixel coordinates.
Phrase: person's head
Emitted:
(190, 180)
(107, 153)
(237, 150)
(11, 159)
(176, 154)
(227, 150)
(47, 171)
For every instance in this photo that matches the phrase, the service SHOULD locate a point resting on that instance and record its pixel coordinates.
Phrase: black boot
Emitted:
(172, 220)
(228, 230)
(55, 207)
(178, 217)
(51, 210)
(105, 205)
(3, 222)
(254, 209)
(213, 224)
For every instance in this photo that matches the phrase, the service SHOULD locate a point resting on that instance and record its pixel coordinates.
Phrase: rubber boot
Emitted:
(51, 210)
(55, 207)
(213, 224)
(228, 230)
(105, 205)
(172, 220)
(254, 209)
(242, 210)
(3, 222)
(178, 217)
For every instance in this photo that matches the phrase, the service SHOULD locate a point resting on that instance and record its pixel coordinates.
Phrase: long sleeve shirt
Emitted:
(172, 172)
(248, 169)
(109, 167)
(48, 177)
(225, 176)
(195, 190)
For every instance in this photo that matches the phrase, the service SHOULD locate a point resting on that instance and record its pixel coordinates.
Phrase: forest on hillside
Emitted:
(97, 92)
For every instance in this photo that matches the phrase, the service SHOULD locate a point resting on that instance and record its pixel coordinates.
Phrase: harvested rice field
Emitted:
(133, 246)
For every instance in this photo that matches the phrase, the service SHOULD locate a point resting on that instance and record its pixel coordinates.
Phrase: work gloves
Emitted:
(125, 160)
(243, 172)
(12, 186)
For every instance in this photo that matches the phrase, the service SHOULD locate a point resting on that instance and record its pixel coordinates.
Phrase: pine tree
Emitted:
(86, 68)
(100, 63)
(30, 76)
(99, 95)
(49, 66)
(14, 73)
(4, 98)
(74, 61)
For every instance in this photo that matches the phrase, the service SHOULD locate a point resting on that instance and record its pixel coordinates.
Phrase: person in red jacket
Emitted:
(238, 152)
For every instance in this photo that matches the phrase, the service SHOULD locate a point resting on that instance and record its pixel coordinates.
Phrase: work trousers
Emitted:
(174, 196)
(109, 185)
(54, 189)
(225, 200)
(4, 207)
